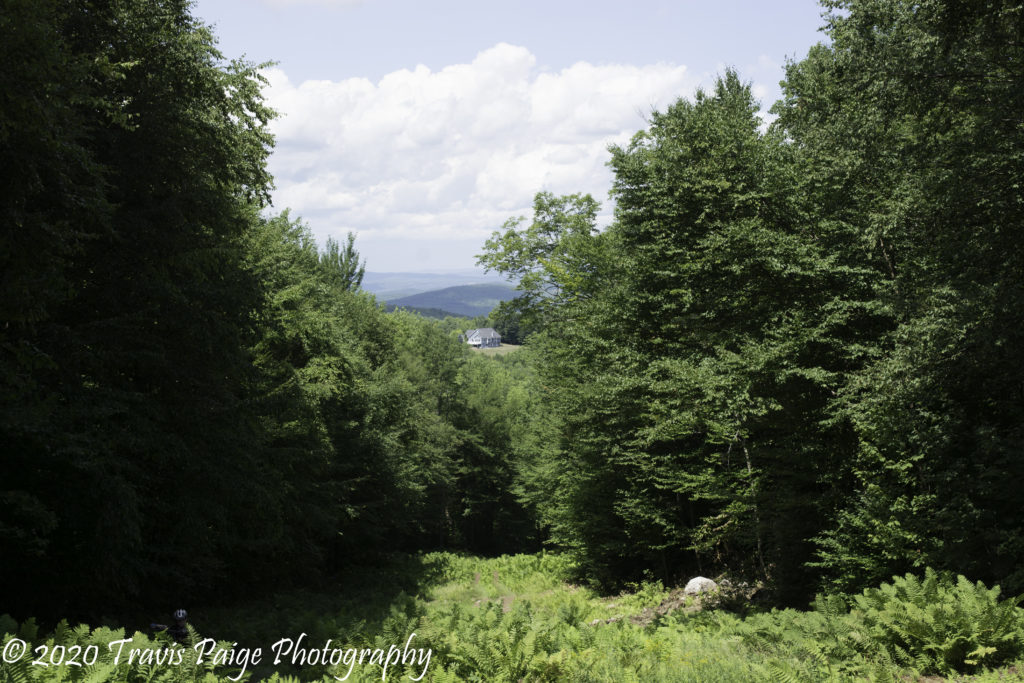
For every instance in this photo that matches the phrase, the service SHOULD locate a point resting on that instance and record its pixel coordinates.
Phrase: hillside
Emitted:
(391, 286)
(435, 313)
(468, 300)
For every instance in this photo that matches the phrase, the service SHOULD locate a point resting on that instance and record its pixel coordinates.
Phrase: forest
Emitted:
(793, 361)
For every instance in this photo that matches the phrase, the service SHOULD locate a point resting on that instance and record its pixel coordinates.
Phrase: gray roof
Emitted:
(483, 333)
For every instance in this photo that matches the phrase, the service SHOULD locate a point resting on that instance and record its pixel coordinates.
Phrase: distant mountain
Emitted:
(391, 286)
(467, 300)
(425, 312)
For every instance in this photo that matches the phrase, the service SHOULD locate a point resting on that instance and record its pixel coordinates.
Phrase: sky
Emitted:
(423, 125)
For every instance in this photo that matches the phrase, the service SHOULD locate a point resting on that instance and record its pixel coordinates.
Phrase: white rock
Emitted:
(699, 585)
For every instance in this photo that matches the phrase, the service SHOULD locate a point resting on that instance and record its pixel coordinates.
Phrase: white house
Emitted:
(483, 338)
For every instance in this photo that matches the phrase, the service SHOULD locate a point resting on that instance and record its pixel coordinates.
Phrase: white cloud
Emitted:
(451, 154)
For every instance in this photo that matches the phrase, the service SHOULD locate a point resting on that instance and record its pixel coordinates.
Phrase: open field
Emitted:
(499, 351)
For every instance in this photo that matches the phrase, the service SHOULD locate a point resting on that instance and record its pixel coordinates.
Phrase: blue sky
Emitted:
(422, 126)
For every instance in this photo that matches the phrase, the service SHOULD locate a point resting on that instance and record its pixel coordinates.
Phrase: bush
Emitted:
(937, 624)
(941, 625)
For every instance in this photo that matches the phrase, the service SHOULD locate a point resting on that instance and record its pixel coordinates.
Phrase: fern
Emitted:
(941, 625)
(780, 672)
(104, 667)
(16, 672)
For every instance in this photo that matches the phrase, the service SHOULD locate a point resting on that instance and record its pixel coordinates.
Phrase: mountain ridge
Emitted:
(468, 300)
(388, 286)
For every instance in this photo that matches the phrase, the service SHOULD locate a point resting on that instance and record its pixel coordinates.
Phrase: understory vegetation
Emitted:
(794, 359)
(515, 619)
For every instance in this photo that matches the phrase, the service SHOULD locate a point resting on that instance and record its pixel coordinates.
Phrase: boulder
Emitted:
(698, 585)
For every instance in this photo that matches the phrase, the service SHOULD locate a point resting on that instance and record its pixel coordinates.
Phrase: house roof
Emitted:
(483, 333)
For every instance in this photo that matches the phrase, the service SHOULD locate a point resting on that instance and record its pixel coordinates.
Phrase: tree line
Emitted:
(796, 353)
(196, 401)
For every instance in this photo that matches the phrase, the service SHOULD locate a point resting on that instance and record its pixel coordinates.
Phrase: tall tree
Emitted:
(695, 384)
(905, 118)
(554, 259)
(143, 175)
(342, 263)
(736, 312)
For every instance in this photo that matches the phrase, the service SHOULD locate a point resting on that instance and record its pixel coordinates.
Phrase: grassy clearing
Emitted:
(498, 350)
(507, 619)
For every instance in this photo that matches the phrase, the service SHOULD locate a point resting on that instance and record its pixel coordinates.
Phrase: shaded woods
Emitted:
(193, 400)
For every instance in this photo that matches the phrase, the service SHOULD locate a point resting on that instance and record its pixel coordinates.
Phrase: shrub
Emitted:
(941, 625)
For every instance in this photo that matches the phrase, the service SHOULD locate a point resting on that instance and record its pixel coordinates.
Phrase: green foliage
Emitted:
(134, 161)
(554, 259)
(930, 625)
(902, 130)
(342, 265)
(86, 655)
(507, 320)
(239, 413)
(690, 385)
(514, 618)
(436, 313)
(938, 625)
(795, 353)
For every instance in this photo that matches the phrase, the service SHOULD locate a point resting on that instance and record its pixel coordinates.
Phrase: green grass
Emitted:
(510, 619)
(498, 350)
